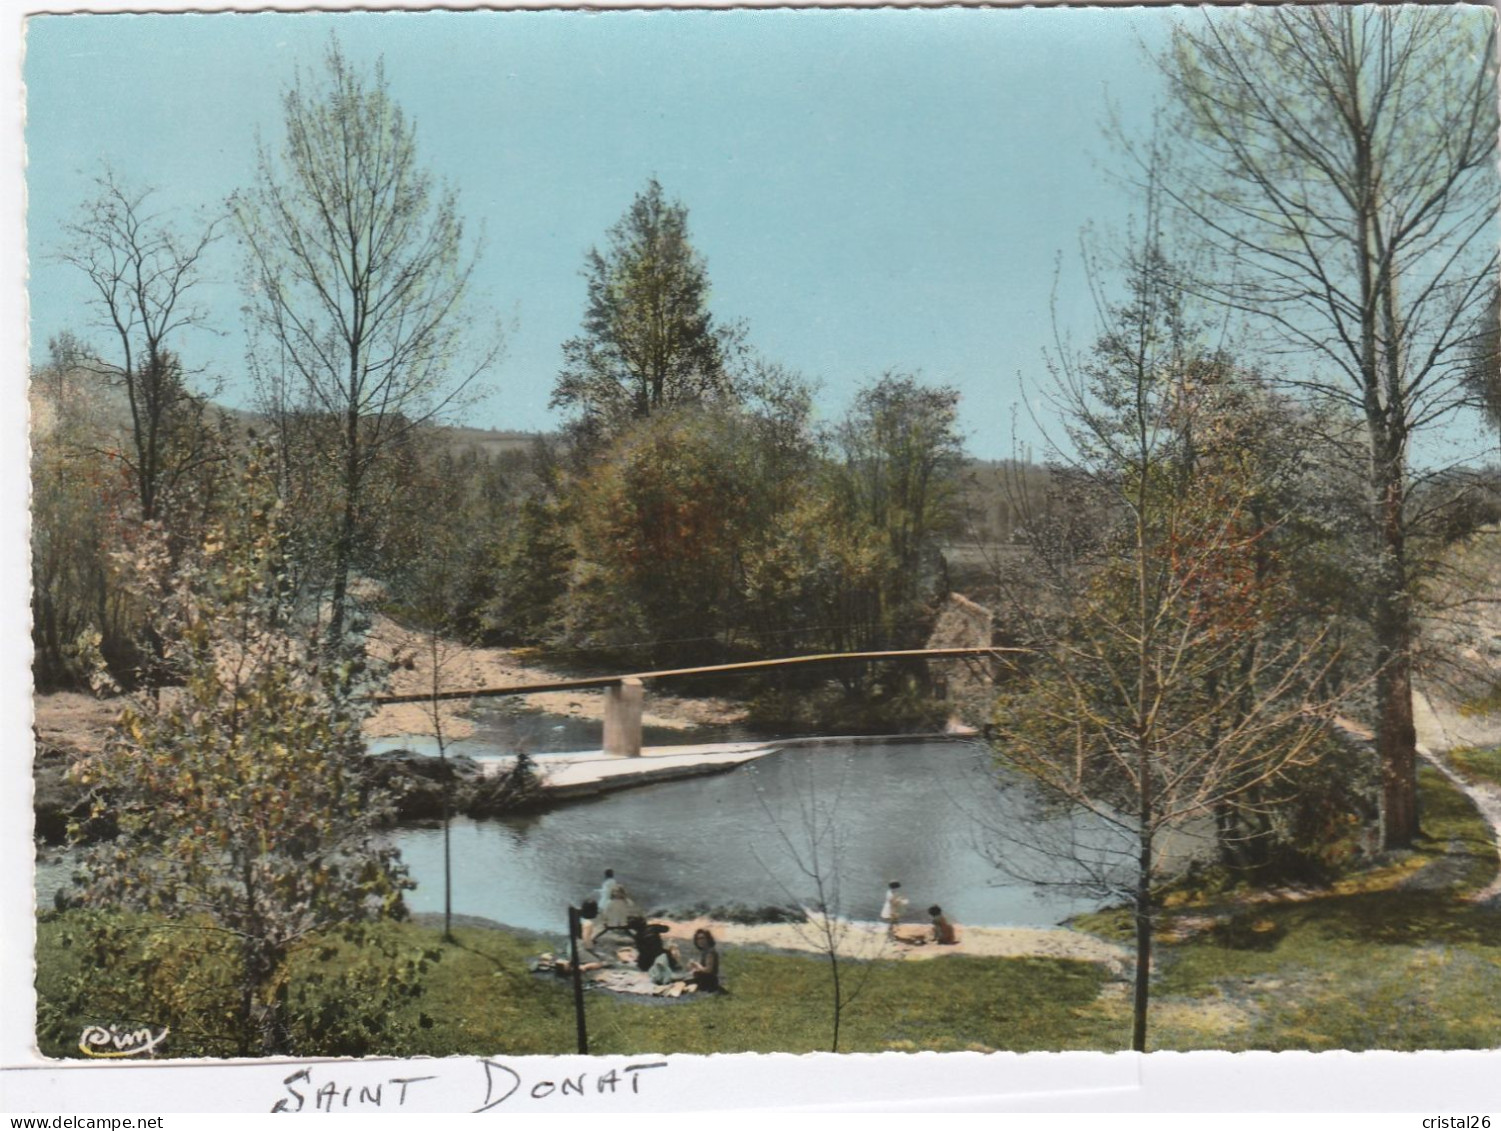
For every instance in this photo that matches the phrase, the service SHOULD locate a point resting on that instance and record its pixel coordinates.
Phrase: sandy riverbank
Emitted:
(460, 666)
(868, 941)
(76, 722)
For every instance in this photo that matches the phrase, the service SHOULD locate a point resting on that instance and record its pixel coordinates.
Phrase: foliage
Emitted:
(1361, 236)
(898, 454)
(658, 532)
(1171, 674)
(78, 494)
(649, 341)
(887, 703)
(706, 528)
(533, 561)
(357, 278)
(236, 793)
(345, 997)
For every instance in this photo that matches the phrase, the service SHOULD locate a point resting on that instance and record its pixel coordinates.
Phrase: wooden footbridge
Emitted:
(625, 695)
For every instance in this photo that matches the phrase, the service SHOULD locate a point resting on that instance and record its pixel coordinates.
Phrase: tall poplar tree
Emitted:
(357, 273)
(1341, 162)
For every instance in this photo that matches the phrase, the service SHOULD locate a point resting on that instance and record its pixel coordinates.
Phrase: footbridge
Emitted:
(625, 695)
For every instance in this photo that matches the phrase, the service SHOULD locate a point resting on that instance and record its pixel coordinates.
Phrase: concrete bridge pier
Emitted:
(623, 705)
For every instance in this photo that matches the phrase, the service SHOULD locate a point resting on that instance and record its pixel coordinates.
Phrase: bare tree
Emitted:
(1341, 162)
(1170, 672)
(357, 279)
(811, 843)
(143, 270)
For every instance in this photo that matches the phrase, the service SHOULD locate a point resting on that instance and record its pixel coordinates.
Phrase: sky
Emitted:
(872, 190)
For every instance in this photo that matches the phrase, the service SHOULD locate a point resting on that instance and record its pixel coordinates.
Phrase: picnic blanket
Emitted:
(616, 973)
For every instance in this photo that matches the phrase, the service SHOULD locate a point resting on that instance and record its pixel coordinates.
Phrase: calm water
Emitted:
(902, 810)
(929, 814)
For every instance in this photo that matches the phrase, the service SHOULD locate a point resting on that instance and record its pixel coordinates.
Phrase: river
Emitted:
(912, 811)
(930, 814)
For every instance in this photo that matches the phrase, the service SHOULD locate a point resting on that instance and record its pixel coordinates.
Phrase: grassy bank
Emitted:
(1478, 765)
(1395, 957)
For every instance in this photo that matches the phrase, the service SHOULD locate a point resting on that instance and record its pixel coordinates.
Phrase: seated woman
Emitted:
(703, 972)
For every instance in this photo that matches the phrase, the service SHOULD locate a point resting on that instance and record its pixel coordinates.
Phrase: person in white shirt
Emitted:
(615, 906)
(894, 908)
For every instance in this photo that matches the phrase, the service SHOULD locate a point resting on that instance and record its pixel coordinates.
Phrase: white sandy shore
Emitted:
(869, 941)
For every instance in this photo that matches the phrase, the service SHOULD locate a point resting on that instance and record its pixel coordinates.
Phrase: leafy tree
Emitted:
(899, 455)
(658, 525)
(357, 278)
(1358, 230)
(79, 496)
(649, 341)
(241, 813)
(1171, 675)
(533, 562)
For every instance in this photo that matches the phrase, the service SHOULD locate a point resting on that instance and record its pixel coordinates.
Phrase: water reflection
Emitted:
(911, 811)
(933, 815)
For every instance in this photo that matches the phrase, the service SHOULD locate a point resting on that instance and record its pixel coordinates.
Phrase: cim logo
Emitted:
(109, 1041)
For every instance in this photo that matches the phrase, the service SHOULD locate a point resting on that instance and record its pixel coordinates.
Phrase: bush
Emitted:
(832, 709)
(341, 998)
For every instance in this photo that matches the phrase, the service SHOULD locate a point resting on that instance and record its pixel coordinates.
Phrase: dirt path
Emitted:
(1436, 734)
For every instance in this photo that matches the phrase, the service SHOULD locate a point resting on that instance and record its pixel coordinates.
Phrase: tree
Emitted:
(659, 523)
(1170, 674)
(240, 809)
(143, 271)
(649, 340)
(898, 454)
(79, 496)
(357, 278)
(810, 845)
(1341, 162)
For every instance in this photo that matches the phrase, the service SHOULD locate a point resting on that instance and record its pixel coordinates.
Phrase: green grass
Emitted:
(1394, 958)
(480, 998)
(778, 1003)
(1478, 765)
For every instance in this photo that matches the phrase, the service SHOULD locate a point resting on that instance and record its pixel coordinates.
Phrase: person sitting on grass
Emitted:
(703, 972)
(647, 939)
(943, 931)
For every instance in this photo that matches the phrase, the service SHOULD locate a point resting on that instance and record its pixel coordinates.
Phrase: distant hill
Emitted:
(490, 441)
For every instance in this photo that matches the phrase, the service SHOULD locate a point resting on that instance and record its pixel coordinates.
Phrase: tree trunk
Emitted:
(1396, 734)
(1143, 946)
(1396, 737)
(344, 547)
(838, 993)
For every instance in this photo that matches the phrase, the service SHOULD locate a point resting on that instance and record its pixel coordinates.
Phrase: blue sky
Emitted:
(872, 189)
